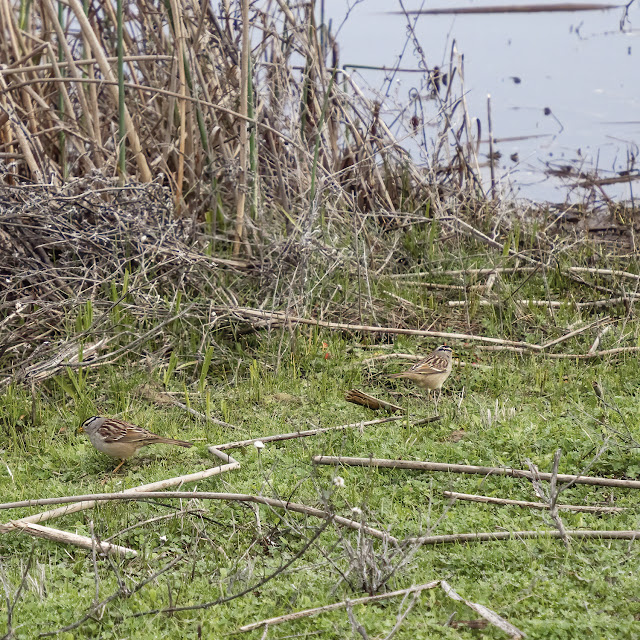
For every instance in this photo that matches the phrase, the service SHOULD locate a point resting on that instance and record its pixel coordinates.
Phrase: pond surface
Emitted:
(564, 86)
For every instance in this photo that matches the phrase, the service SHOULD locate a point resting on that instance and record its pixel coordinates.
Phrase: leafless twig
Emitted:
(463, 468)
(530, 505)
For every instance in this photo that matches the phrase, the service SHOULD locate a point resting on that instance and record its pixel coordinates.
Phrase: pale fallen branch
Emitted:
(431, 285)
(278, 316)
(553, 304)
(576, 332)
(594, 354)
(304, 434)
(563, 356)
(596, 342)
(64, 537)
(464, 272)
(202, 495)
(162, 397)
(492, 347)
(471, 469)
(490, 536)
(154, 486)
(202, 416)
(492, 303)
(485, 612)
(530, 505)
(605, 272)
(306, 613)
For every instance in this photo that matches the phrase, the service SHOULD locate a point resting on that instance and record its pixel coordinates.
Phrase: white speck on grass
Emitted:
(9, 472)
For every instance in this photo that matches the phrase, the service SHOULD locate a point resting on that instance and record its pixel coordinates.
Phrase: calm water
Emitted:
(580, 67)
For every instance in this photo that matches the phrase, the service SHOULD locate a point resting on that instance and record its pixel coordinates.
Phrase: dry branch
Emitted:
(576, 332)
(304, 434)
(64, 537)
(471, 469)
(278, 316)
(490, 536)
(365, 400)
(485, 612)
(530, 505)
(605, 272)
(92, 498)
(154, 486)
(464, 272)
(335, 606)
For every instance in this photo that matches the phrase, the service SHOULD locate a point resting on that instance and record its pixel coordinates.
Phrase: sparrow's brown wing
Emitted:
(431, 364)
(120, 431)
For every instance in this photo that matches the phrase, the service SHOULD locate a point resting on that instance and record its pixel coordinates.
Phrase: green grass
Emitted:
(517, 408)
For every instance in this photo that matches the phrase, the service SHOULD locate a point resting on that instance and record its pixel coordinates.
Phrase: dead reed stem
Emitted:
(471, 469)
(485, 612)
(277, 316)
(243, 151)
(304, 434)
(490, 536)
(91, 499)
(530, 505)
(64, 537)
(105, 68)
(154, 486)
(335, 606)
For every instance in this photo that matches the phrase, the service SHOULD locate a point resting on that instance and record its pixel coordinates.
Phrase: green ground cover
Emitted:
(512, 408)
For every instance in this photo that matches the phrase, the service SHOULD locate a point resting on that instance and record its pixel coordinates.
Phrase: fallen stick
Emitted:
(558, 356)
(576, 332)
(278, 316)
(202, 495)
(64, 537)
(604, 272)
(523, 535)
(365, 400)
(471, 469)
(463, 272)
(432, 285)
(296, 615)
(531, 505)
(304, 434)
(485, 612)
(154, 486)
(554, 304)
(594, 354)
(596, 342)
(161, 397)
(492, 303)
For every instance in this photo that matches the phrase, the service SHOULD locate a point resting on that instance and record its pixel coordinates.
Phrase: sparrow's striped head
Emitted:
(88, 422)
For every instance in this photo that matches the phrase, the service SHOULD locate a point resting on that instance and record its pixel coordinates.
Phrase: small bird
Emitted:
(120, 439)
(431, 372)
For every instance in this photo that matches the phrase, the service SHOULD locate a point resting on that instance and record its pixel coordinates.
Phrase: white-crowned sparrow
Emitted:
(431, 372)
(120, 439)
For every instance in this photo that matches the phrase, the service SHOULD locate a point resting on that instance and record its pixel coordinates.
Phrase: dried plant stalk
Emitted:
(359, 397)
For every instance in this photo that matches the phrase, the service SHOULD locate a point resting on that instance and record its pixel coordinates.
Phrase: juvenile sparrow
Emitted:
(431, 372)
(120, 439)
